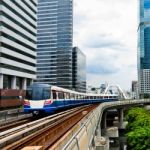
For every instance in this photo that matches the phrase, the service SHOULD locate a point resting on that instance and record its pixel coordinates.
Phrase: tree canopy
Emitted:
(138, 129)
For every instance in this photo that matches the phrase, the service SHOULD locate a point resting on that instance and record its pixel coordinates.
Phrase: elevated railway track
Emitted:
(44, 132)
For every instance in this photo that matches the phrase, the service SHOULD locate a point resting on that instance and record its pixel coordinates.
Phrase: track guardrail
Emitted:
(12, 115)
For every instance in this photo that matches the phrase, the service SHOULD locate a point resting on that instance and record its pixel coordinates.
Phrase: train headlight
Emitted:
(26, 102)
(48, 102)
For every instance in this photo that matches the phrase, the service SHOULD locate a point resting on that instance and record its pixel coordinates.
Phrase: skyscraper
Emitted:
(17, 43)
(79, 70)
(54, 48)
(144, 47)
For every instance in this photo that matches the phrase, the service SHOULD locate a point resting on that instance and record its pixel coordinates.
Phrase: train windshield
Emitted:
(38, 93)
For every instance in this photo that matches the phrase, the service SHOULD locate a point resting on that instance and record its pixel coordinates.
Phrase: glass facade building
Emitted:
(79, 70)
(144, 47)
(18, 22)
(54, 46)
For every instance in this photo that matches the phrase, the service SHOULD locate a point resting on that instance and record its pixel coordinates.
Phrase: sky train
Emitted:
(43, 98)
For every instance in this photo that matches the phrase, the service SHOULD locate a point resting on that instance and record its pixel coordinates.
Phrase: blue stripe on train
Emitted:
(59, 104)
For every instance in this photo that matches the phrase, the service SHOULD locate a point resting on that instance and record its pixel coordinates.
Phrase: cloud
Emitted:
(106, 31)
(103, 41)
(101, 69)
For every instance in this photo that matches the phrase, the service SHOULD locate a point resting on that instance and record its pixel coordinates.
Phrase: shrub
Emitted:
(138, 129)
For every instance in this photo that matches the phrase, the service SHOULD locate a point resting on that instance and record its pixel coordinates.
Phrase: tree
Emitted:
(138, 129)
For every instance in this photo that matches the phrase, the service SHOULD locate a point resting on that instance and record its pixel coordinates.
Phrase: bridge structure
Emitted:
(89, 135)
(112, 89)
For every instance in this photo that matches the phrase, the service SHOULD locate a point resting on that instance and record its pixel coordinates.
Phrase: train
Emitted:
(44, 98)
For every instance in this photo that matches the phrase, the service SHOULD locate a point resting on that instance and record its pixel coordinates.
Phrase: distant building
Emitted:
(144, 48)
(134, 89)
(17, 43)
(54, 46)
(79, 70)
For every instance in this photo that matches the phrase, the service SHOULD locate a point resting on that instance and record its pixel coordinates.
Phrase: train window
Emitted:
(54, 95)
(28, 94)
(78, 96)
(61, 95)
(37, 93)
(46, 94)
(68, 95)
(65, 95)
(71, 96)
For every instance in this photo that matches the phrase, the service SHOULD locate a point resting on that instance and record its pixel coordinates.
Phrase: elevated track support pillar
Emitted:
(120, 118)
(104, 121)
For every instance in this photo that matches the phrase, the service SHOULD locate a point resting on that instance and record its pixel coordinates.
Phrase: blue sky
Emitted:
(106, 31)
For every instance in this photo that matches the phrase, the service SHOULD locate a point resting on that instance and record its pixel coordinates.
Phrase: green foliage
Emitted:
(138, 129)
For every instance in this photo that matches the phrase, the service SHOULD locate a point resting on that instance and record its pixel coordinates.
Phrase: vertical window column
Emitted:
(1, 81)
(13, 82)
(24, 83)
(31, 81)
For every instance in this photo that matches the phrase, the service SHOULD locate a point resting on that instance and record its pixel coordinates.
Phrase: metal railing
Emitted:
(11, 115)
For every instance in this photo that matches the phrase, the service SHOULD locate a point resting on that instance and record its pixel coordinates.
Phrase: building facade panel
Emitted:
(79, 70)
(55, 42)
(17, 43)
(144, 47)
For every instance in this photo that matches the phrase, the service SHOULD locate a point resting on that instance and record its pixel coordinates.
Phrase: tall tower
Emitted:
(79, 70)
(17, 43)
(54, 48)
(144, 47)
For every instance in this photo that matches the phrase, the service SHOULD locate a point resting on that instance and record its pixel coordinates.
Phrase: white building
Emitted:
(17, 43)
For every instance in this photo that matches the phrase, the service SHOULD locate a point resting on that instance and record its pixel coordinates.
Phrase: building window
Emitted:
(19, 82)
(7, 82)
(28, 82)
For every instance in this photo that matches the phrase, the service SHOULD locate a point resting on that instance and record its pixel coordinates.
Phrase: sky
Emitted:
(106, 31)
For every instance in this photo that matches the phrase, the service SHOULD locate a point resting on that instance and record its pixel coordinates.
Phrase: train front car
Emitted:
(38, 99)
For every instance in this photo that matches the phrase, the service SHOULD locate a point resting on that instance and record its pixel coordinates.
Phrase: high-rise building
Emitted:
(17, 43)
(144, 47)
(17, 49)
(79, 70)
(54, 47)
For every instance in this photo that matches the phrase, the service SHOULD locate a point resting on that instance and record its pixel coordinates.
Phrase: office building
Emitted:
(144, 47)
(79, 70)
(17, 43)
(54, 46)
(134, 90)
